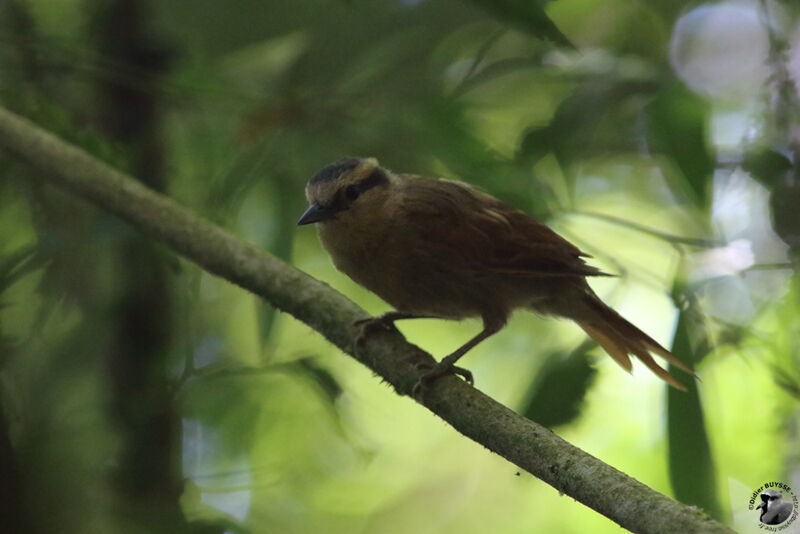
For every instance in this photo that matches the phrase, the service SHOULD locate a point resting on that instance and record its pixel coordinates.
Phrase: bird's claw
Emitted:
(374, 322)
(437, 371)
(371, 324)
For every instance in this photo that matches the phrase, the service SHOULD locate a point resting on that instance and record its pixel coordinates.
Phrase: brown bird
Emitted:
(439, 248)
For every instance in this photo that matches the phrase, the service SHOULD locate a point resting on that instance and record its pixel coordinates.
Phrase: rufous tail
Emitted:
(620, 339)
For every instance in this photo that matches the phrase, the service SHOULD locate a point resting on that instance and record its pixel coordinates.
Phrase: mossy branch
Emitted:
(533, 448)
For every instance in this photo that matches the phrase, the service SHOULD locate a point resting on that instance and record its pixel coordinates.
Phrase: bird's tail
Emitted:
(620, 338)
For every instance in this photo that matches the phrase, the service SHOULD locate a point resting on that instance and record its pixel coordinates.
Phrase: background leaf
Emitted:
(559, 390)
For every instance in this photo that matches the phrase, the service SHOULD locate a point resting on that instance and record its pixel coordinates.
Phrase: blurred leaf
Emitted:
(321, 377)
(230, 398)
(20, 262)
(558, 391)
(595, 119)
(784, 201)
(787, 381)
(204, 518)
(229, 401)
(766, 165)
(692, 470)
(677, 127)
(528, 15)
(14, 266)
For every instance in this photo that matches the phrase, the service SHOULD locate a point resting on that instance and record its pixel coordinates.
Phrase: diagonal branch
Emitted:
(533, 448)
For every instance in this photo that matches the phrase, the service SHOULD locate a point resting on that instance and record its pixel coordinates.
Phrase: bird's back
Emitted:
(488, 234)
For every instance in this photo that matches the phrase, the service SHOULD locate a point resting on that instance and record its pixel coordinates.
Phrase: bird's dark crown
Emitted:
(337, 185)
(331, 172)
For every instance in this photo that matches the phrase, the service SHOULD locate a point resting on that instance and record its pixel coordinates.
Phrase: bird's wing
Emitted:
(486, 233)
(784, 511)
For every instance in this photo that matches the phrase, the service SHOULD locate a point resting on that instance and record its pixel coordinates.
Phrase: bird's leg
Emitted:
(386, 322)
(447, 365)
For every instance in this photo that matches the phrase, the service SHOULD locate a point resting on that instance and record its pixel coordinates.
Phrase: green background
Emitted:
(139, 394)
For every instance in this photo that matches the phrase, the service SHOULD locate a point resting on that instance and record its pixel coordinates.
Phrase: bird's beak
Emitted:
(760, 506)
(315, 213)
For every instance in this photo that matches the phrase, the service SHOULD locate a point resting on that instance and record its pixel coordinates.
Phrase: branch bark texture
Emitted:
(532, 447)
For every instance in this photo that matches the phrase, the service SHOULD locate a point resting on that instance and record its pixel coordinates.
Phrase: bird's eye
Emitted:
(351, 192)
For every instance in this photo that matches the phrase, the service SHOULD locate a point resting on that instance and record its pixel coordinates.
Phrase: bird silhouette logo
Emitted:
(777, 504)
(774, 510)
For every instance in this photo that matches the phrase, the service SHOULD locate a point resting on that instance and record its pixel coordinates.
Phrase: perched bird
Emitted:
(774, 510)
(439, 248)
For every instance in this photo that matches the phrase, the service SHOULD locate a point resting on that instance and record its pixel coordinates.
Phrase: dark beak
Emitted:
(316, 213)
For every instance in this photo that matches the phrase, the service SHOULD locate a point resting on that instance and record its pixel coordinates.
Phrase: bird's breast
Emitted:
(355, 252)
(411, 277)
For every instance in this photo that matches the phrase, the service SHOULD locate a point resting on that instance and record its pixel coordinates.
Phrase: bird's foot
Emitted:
(437, 371)
(372, 324)
(385, 321)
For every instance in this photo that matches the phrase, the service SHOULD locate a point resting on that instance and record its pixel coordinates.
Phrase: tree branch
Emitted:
(533, 448)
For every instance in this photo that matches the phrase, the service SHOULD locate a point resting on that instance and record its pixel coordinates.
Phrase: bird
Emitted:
(774, 510)
(440, 248)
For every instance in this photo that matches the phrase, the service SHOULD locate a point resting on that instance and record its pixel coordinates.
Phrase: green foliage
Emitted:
(677, 125)
(559, 389)
(692, 467)
(529, 16)
(19, 263)
(114, 359)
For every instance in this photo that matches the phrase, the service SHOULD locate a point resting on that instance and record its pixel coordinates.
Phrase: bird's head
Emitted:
(769, 497)
(344, 189)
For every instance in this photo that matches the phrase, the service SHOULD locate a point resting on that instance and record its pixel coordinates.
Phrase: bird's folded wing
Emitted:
(487, 234)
